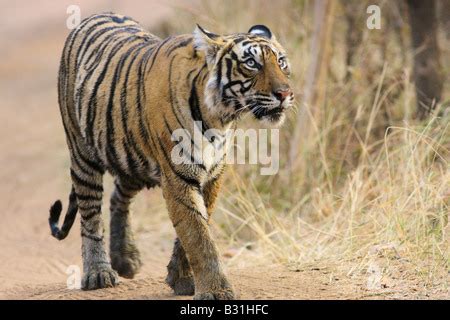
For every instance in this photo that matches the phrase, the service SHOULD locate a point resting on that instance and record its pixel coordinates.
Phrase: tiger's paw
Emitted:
(126, 264)
(222, 294)
(181, 286)
(98, 278)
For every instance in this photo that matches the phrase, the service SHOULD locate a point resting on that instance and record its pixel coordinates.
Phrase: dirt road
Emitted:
(34, 171)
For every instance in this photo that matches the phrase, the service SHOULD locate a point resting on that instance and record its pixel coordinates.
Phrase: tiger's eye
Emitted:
(251, 63)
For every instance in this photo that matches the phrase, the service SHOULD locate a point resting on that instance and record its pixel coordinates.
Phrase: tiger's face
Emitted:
(249, 73)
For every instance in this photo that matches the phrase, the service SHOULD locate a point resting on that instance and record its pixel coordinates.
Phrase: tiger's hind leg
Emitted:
(125, 257)
(179, 276)
(87, 178)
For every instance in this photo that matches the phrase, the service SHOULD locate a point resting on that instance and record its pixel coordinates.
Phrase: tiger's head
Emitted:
(249, 73)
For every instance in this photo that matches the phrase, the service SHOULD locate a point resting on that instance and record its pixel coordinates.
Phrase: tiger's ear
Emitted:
(262, 31)
(208, 42)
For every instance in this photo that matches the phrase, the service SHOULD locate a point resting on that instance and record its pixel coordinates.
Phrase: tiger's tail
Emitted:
(55, 212)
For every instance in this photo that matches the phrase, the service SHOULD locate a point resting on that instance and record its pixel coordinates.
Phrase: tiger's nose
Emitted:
(282, 94)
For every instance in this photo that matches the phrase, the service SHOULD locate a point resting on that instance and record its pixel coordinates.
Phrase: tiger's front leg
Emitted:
(179, 276)
(189, 216)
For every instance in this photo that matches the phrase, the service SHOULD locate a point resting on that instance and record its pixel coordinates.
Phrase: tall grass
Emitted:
(397, 195)
(369, 174)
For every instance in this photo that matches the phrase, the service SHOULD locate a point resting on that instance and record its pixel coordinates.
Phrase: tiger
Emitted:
(122, 92)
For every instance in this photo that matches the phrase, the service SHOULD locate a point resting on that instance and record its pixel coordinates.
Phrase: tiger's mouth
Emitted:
(273, 115)
(264, 112)
(268, 108)
(271, 112)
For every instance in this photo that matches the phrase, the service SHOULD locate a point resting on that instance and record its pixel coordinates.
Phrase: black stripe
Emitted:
(129, 136)
(80, 167)
(80, 92)
(173, 101)
(90, 208)
(118, 201)
(182, 44)
(92, 104)
(238, 40)
(156, 54)
(190, 206)
(105, 45)
(132, 163)
(211, 170)
(194, 103)
(143, 130)
(166, 124)
(95, 238)
(94, 166)
(98, 34)
(141, 162)
(66, 63)
(229, 64)
(247, 42)
(87, 197)
(219, 72)
(84, 183)
(87, 34)
(82, 50)
(89, 216)
(188, 180)
(111, 151)
(122, 192)
(116, 19)
(83, 226)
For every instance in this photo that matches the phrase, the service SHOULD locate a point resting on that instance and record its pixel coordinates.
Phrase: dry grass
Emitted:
(368, 177)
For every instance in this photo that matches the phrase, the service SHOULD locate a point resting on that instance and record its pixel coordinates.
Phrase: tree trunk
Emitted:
(428, 76)
(315, 82)
(354, 14)
(444, 16)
